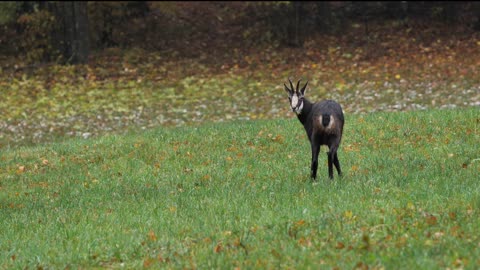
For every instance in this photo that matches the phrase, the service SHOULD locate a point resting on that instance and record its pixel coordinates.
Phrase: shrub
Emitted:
(35, 36)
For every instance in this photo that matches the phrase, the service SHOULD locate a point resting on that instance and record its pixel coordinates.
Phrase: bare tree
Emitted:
(72, 35)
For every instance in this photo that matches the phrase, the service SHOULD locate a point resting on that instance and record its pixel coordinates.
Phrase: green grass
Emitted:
(238, 194)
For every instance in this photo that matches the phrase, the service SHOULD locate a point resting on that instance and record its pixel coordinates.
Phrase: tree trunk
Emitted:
(324, 16)
(396, 9)
(450, 11)
(476, 8)
(296, 24)
(73, 41)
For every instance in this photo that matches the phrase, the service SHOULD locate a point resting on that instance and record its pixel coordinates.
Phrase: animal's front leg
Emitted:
(314, 167)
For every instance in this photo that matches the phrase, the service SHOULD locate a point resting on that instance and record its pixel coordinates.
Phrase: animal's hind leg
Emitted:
(337, 163)
(330, 166)
(332, 158)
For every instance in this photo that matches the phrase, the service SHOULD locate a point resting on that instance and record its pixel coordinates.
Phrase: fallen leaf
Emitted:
(21, 169)
(218, 248)
(152, 236)
(431, 220)
(148, 262)
(300, 222)
(438, 235)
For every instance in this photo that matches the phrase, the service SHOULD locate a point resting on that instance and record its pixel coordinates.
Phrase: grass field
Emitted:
(238, 195)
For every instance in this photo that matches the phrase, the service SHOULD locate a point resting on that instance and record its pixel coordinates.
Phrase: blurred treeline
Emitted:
(68, 32)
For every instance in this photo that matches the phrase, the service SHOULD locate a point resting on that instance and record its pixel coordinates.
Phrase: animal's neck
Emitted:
(307, 108)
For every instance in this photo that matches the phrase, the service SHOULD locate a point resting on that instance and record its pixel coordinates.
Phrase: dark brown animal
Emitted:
(323, 121)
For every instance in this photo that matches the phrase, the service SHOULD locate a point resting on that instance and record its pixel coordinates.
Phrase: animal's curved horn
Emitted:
(291, 84)
(298, 84)
(303, 88)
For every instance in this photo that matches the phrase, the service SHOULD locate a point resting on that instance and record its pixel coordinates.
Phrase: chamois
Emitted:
(323, 121)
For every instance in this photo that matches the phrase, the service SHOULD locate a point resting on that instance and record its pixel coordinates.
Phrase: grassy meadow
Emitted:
(238, 195)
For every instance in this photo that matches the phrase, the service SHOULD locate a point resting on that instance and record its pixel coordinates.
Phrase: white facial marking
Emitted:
(294, 100)
(299, 109)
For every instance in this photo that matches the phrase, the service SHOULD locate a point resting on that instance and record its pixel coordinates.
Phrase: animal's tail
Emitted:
(325, 120)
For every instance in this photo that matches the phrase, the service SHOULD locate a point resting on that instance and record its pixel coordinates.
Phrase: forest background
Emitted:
(90, 68)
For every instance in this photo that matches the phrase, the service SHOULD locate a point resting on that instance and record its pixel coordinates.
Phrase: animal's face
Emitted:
(296, 96)
(296, 102)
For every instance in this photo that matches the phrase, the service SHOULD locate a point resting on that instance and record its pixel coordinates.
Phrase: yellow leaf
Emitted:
(300, 222)
(410, 206)
(207, 240)
(398, 77)
(279, 138)
(152, 236)
(21, 169)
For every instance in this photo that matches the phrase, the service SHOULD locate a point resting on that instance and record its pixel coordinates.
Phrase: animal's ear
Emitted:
(302, 91)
